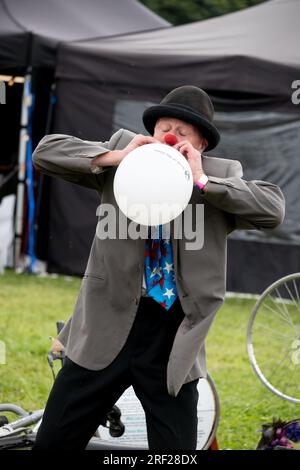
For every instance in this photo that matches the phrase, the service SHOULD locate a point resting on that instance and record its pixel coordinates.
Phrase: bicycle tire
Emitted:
(266, 334)
(124, 441)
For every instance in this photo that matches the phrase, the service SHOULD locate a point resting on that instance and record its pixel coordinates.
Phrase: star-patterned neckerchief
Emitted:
(159, 270)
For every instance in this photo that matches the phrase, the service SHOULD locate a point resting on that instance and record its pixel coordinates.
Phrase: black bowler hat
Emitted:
(187, 103)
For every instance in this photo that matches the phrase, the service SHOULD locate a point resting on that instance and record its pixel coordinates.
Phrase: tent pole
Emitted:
(23, 138)
(41, 178)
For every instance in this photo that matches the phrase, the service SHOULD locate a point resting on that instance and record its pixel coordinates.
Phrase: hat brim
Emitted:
(208, 130)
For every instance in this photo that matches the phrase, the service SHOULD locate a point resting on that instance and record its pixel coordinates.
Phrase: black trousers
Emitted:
(80, 398)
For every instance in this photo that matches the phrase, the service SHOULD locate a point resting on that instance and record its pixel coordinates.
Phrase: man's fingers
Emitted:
(184, 149)
(145, 138)
(56, 347)
(142, 140)
(149, 140)
(180, 144)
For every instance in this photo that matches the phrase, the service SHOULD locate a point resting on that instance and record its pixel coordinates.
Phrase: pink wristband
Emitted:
(202, 181)
(200, 185)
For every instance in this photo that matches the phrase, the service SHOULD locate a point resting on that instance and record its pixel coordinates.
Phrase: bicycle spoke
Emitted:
(296, 290)
(292, 297)
(282, 316)
(274, 333)
(285, 309)
(277, 366)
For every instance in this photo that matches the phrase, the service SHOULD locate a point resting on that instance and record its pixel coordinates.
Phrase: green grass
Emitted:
(30, 306)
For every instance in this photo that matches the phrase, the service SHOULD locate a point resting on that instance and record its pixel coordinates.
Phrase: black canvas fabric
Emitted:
(31, 30)
(255, 50)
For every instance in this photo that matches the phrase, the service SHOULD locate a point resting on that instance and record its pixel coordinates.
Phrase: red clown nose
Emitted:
(170, 139)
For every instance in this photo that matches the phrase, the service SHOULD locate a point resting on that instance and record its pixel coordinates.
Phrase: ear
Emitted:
(204, 144)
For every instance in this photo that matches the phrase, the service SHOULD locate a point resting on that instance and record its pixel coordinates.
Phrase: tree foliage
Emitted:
(185, 11)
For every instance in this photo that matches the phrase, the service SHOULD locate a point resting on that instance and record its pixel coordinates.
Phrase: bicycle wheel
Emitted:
(273, 338)
(133, 417)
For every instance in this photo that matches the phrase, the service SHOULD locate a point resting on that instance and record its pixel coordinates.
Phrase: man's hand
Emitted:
(114, 157)
(56, 347)
(137, 141)
(193, 156)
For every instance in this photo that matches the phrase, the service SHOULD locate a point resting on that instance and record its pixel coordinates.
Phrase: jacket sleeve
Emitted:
(251, 204)
(69, 158)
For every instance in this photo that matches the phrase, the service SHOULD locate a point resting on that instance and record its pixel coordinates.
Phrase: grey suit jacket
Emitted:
(111, 286)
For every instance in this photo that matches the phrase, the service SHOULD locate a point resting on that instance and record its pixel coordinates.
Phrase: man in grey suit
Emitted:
(119, 334)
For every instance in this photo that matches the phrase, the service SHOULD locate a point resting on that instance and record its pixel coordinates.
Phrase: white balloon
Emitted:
(153, 184)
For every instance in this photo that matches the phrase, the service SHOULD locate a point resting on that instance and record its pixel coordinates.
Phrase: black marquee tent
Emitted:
(254, 50)
(30, 33)
(30, 30)
(247, 61)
